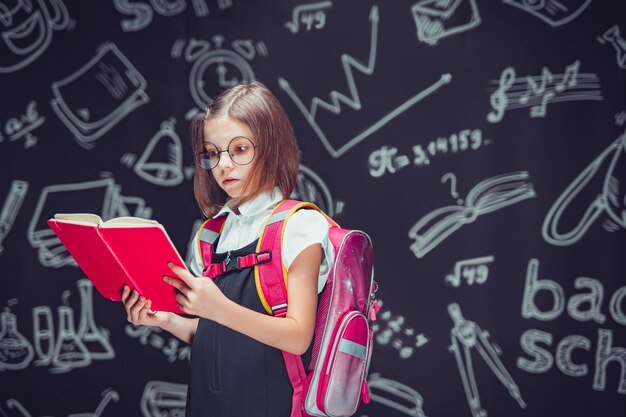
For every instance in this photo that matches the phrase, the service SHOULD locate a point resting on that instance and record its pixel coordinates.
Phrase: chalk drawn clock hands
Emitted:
(610, 199)
(219, 67)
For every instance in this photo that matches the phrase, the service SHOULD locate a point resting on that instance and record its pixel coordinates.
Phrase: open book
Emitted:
(124, 250)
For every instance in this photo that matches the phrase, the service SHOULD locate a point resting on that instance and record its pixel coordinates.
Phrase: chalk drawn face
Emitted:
(553, 12)
(233, 178)
(26, 30)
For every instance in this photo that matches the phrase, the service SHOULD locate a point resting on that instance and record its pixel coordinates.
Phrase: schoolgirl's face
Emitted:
(230, 147)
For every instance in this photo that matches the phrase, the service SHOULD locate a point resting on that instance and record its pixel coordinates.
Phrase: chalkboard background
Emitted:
(480, 143)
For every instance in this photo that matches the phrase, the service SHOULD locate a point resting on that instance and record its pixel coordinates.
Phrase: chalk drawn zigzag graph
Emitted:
(353, 100)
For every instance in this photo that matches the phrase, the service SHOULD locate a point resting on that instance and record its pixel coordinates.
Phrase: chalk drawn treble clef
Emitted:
(499, 101)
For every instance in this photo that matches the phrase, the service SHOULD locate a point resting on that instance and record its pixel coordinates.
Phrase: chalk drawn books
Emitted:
(123, 250)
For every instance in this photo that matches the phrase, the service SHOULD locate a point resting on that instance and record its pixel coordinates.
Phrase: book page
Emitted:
(129, 221)
(80, 218)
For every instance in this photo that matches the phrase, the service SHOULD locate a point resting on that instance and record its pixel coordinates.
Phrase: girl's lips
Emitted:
(230, 181)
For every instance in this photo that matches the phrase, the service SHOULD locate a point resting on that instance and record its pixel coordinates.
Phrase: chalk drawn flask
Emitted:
(16, 352)
(69, 352)
(95, 339)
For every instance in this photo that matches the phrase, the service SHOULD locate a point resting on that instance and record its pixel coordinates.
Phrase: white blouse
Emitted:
(303, 229)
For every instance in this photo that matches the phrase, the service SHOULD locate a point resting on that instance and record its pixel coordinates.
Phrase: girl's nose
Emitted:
(225, 161)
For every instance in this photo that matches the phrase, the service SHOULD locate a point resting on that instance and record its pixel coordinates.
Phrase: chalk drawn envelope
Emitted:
(436, 19)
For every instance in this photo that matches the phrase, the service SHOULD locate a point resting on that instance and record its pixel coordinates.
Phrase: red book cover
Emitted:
(125, 250)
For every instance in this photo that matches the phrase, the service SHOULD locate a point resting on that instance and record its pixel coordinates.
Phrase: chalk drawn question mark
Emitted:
(453, 191)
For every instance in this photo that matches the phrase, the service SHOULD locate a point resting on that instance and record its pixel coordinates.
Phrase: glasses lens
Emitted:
(241, 150)
(209, 158)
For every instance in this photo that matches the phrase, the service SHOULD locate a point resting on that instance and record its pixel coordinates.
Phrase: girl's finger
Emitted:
(177, 284)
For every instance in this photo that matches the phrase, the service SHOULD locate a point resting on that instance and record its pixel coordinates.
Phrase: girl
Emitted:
(247, 161)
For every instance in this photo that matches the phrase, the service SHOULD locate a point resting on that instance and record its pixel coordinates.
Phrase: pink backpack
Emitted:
(335, 382)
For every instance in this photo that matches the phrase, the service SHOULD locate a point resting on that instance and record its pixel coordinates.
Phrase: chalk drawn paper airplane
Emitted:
(338, 146)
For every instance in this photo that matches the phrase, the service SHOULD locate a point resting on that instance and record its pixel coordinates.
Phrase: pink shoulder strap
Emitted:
(209, 232)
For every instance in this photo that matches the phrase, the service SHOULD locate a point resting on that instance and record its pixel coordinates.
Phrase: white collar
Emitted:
(260, 203)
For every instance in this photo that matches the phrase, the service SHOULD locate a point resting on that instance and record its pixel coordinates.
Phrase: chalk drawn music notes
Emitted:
(487, 196)
(436, 19)
(337, 146)
(98, 95)
(583, 196)
(537, 92)
(553, 12)
(26, 29)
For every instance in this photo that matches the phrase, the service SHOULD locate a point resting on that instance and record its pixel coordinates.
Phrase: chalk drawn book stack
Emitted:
(123, 250)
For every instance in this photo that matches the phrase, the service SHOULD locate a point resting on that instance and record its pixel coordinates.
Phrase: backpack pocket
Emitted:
(345, 366)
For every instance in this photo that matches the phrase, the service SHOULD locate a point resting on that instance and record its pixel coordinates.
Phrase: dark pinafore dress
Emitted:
(231, 374)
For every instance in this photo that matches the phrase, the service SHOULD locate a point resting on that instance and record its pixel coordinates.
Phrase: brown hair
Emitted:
(277, 159)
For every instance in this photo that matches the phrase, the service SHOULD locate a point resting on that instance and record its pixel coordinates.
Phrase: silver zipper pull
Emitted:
(227, 260)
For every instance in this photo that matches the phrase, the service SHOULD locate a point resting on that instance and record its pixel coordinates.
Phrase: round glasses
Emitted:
(240, 149)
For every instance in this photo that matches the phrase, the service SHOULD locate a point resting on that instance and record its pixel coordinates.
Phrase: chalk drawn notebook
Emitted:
(123, 250)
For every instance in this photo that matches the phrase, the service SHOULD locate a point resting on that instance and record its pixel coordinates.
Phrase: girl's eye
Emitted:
(212, 154)
(241, 149)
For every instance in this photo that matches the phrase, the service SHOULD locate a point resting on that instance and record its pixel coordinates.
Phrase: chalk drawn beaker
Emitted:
(69, 352)
(43, 335)
(95, 339)
(16, 352)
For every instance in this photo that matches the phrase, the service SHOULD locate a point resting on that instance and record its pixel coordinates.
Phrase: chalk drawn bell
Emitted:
(161, 163)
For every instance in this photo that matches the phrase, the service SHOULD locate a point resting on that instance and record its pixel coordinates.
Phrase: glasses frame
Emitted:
(219, 153)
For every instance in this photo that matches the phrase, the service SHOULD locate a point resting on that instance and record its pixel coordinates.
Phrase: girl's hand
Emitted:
(196, 296)
(138, 310)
